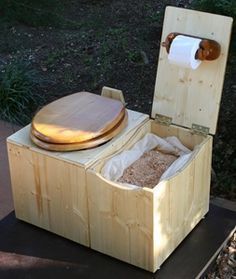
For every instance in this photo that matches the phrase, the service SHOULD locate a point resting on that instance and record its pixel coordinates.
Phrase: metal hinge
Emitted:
(163, 119)
(200, 130)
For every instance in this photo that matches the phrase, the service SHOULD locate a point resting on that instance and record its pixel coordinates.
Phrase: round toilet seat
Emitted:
(85, 144)
(77, 118)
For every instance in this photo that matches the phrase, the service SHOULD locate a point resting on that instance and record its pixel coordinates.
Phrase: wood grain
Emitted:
(49, 193)
(143, 226)
(192, 96)
(113, 94)
(76, 118)
(85, 144)
(83, 158)
(49, 188)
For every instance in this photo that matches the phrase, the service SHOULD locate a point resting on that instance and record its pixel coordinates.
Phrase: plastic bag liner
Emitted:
(114, 167)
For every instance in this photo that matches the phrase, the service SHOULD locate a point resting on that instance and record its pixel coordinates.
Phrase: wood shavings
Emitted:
(147, 170)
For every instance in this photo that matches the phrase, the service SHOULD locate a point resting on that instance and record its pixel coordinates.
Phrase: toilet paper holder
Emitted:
(208, 49)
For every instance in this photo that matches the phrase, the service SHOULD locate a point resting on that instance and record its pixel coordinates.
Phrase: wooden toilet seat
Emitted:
(85, 144)
(78, 121)
(76, 118)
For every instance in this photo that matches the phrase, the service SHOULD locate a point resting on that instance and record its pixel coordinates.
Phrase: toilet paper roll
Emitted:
(182, 52)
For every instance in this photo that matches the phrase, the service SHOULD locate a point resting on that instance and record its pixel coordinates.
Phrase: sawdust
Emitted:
(147, 170)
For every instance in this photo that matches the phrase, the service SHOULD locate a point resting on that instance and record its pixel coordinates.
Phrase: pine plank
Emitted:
(81, 157)
(49, 193)
(144, 226)
(192, 96)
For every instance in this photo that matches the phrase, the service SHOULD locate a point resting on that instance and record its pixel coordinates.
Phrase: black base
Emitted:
(29, 252)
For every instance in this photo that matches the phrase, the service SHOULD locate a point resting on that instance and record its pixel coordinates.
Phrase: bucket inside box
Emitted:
(116, 166)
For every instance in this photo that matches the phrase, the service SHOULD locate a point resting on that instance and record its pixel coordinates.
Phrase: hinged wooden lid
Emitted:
(192, 96)
(76, 118)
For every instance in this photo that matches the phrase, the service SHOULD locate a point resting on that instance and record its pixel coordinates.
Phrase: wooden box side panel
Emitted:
(49, 193)
(121, 221)
(176, 205)
(180, 203)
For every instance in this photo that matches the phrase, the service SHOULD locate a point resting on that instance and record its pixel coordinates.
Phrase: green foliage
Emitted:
(134, 56)
(223, 7)
(54, 56)
(34, 13)
(19, 94)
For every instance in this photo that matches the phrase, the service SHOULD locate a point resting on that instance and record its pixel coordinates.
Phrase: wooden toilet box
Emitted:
(49, 188)
(65, 192)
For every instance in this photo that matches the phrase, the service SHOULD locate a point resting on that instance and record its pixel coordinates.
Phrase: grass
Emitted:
(69, 77)
(19, 93)
(54, 56)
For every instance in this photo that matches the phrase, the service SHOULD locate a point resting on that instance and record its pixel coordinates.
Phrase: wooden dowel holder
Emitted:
(208, 49)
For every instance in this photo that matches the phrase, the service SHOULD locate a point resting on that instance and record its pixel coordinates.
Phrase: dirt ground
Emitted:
(114, 43)
(224, 266)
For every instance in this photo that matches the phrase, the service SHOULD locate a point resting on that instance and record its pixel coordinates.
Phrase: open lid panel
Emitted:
(192, 96)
